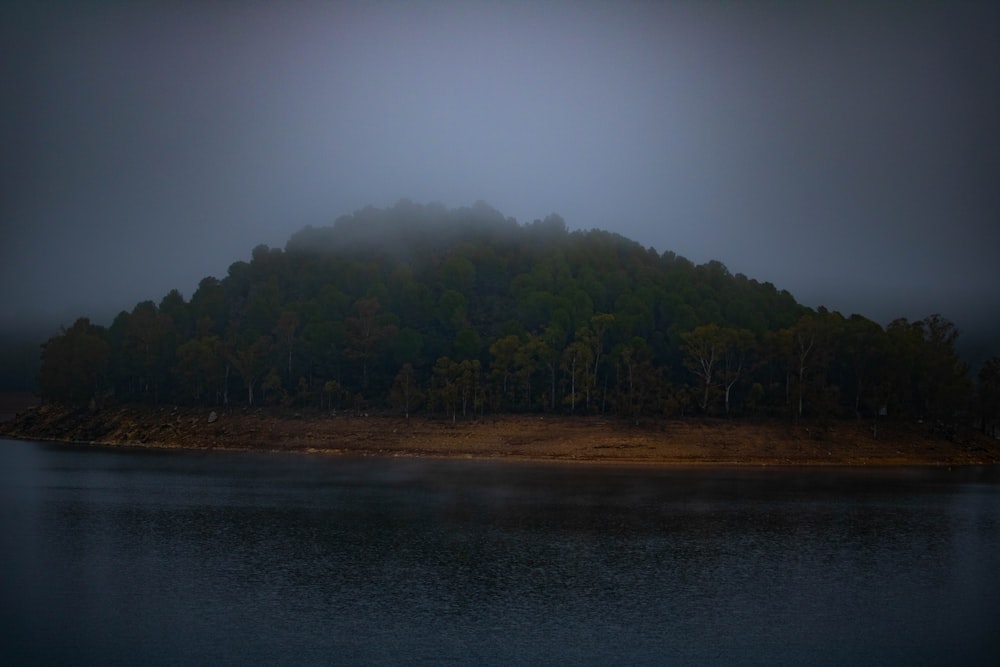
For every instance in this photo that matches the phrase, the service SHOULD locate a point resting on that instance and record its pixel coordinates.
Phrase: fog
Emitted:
(847, 154)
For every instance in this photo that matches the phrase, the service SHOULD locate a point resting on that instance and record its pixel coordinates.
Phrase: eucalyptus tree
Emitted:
(251, 358)
(703, 348)
(720, 358)
(148, 349)
(503, 368)
(366, 335)
(862, 352)
(640, 381)
(576, 359)
(736, 363)
(809, 346)
(405, 393)
(446, 389)
(200, 371)
(949, 388)
(286, 338)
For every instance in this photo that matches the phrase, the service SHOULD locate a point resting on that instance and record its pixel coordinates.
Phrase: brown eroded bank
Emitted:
(590, 439)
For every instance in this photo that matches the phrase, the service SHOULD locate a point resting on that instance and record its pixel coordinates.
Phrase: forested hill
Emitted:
(465, 312)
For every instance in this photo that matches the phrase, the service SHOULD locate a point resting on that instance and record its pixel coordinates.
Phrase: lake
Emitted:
(125, 556)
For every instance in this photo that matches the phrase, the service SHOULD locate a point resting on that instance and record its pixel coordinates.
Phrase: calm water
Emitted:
(133, 557)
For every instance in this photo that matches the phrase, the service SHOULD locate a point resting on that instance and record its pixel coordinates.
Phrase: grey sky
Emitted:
(847, 152)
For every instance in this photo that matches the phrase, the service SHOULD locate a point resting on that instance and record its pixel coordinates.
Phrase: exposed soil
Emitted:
(546, 438)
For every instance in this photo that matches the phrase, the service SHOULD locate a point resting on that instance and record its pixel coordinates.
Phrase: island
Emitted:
(423, 331)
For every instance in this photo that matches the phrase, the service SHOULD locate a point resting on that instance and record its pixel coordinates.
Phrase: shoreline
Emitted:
(527, 438)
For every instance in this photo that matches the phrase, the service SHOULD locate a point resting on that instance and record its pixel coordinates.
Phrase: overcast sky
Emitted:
(847, 152)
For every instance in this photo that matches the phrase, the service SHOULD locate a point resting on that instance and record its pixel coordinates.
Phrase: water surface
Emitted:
(115, 556)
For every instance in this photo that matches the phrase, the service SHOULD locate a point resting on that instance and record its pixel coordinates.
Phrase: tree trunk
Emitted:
(552, 373)
(572, 386)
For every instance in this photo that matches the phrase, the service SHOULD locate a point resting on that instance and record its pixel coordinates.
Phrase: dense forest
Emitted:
(465, 312)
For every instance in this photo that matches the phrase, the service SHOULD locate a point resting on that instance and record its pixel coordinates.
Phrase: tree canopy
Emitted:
(464, 312)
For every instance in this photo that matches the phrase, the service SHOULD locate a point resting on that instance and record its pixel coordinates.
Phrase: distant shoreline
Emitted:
(540, 438)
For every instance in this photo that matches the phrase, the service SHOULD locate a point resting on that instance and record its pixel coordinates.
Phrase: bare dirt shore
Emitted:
(579, 439)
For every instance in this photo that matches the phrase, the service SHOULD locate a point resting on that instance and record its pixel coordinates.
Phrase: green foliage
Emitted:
(463, 311)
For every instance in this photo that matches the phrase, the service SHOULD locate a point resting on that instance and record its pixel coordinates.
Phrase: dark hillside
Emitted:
(464, 312)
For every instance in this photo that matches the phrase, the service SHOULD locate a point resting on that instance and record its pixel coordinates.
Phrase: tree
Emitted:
(719, 358)
(803, 342)
(365, 334)
(989, 395)
(322, 341)
(582, 320)
(271, 388)
(549, 352)
(582, 360)
(445, 388)
(405, 394)
(639, 378)
(468, 380)
(285, 337)
(904, 369)
(407, 347)
(179, 312)
(809, 349)
(862, 352)
(600, 324)
(147, 349)
(737, 345)
(928, 377)
(333, 391)
(504, 351)
(948, 389)
(250, 359)
(209, 306)
(74, 363)
(576, 360)
(201, 371)
(527, 360)
(703, 347)
(467, 344)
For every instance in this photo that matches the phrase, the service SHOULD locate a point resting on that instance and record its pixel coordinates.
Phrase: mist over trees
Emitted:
(465, 313)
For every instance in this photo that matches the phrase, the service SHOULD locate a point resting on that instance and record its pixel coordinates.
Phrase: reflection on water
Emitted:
(126, 557)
